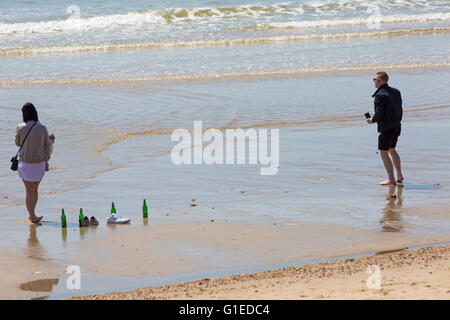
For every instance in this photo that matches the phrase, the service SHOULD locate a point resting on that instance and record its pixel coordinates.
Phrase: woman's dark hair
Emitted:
(29, 112)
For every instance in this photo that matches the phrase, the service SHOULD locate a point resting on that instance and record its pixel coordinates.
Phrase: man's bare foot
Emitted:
(387, 183)
(36, 219)
(400, 179)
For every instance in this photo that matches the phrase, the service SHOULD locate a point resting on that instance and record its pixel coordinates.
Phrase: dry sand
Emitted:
(404, 274)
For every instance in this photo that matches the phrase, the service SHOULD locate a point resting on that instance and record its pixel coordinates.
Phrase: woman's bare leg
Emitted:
(36, 193)
(31, 200)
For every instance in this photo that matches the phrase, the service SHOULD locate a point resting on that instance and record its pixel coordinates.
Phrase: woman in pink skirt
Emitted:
(33, 156)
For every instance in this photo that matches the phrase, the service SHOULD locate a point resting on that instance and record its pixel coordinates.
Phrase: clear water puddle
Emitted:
(418, 186)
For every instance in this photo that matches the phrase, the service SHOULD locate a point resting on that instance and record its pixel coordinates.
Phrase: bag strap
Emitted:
(25, 138)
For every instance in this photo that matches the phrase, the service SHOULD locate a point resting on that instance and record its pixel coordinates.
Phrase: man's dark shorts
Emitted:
(388, 139)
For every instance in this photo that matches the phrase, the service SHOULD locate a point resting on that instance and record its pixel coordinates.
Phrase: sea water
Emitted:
(113, 79)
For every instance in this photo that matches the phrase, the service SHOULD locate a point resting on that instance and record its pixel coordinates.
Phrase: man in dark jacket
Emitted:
(388, 115)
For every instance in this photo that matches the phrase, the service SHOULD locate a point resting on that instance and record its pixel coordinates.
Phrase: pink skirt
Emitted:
(32, 172)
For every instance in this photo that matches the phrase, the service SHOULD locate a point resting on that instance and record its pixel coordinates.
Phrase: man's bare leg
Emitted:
(389, 168)
(396, 160)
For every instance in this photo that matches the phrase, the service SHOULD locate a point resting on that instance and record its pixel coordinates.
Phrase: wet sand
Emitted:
(221, 247)
(324, 202)
(404, 274)
(18, 272)
(130, 257)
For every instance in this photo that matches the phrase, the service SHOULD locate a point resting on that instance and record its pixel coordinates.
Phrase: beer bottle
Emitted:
(113, 209)
(144, 210)
(81, 218)
(63, 219)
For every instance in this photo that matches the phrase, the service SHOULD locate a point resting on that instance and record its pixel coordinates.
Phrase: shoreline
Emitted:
(277, 74)
(410, 273)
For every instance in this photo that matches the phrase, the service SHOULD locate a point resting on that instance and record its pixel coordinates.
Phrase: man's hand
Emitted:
(369, 120)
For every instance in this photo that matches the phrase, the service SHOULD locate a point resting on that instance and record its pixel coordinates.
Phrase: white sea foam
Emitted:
(359, 21)
(437, 10)
(81, 24)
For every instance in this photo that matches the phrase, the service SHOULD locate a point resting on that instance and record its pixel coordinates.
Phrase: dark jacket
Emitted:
(388, 108)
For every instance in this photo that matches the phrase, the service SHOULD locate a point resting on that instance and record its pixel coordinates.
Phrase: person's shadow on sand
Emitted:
(392, 220)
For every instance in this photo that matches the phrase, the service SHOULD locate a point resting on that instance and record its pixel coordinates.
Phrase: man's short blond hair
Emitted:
(383, 76)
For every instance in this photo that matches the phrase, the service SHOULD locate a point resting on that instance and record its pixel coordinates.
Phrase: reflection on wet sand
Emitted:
(392, 220)
(34, 249)
(86, 230)
(44, 285)
(64, 234)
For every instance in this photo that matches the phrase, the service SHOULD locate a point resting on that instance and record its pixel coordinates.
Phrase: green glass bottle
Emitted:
(144, 210)
(63, 219)
(81, 218)
(113, 209)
